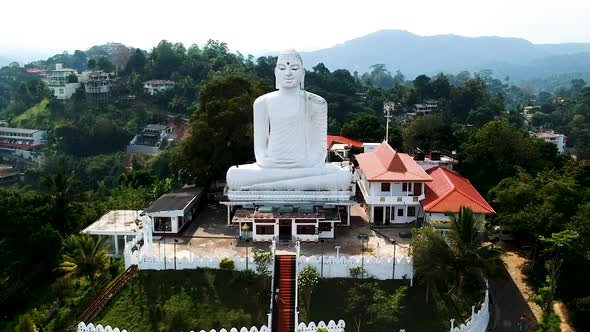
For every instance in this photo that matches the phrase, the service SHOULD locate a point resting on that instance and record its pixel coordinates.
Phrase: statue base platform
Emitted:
(289, 196)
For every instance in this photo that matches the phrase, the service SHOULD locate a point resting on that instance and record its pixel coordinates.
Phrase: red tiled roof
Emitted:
(448, 191)
(387, 165)
(343, 140)
(28, 147)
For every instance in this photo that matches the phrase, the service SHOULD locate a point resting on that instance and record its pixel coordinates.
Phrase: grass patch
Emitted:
(330, 299)
(37, 116)
(188, 300)
(214, 299)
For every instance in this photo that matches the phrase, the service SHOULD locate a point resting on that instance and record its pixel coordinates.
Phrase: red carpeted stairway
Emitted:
(286, 295)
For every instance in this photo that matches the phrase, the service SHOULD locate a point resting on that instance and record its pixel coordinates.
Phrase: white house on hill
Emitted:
(392, 185)
(153, 87)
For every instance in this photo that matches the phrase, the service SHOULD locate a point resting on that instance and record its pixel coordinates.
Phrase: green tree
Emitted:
(380, 76)
(429, 132)
(136, 179)
(555, 248)
(72, 78)
(263, 261)
(136, 63)
(433, 259)
(87, 258)
(365, 128)
(307, 282)
(370, 306)
(221, 132)
(105, 64)
(61, 191)
(492, 153)
(465, 244)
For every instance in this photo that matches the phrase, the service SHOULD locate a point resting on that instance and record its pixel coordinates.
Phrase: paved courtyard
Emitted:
(209, 235)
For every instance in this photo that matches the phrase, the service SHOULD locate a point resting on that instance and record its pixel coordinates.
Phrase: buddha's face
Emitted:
(289, 72)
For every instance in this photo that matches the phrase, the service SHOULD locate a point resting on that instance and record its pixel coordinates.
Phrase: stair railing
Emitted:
(297, 247)
(273, 248)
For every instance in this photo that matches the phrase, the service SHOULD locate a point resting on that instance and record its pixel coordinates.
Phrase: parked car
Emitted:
(500, 233)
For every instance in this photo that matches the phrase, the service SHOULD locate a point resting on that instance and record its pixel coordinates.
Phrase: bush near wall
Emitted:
(227, 264)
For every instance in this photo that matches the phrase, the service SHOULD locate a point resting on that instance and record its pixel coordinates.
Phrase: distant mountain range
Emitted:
(414, 55)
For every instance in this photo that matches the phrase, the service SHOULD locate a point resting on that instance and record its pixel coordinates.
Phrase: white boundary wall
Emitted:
(302, 327)
(478, 322)
(375, 267)
(82, 327)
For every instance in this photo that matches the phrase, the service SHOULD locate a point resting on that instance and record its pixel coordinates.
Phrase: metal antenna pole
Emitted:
(387, 108)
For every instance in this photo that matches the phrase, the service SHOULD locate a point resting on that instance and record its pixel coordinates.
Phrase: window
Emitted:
(162, 224)
(385, 187)
(325, 227)
(411, 211)
(265, 230)
(305, 230)
(400, 212)
(406, 186)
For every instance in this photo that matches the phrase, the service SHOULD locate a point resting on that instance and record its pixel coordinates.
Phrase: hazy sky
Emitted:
(252, 26)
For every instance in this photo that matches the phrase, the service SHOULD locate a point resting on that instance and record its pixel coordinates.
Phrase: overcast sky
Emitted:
(253, 26)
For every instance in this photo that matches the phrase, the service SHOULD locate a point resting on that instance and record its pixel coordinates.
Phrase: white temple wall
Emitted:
(376, 267)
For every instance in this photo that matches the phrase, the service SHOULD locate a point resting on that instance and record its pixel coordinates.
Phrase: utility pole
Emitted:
(388, 107)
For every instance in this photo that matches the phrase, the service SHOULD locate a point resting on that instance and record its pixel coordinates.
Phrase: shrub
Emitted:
(263, 260)
(322, 329)
(357, 272)
(227, 264)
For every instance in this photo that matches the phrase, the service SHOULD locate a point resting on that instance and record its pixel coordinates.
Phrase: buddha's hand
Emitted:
(267, 162)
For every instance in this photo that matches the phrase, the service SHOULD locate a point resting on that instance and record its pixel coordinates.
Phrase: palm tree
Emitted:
(432, 258)
(60, 189)
(465, 245)
(88, 258)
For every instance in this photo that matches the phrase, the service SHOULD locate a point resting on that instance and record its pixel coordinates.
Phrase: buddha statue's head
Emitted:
(289, 72)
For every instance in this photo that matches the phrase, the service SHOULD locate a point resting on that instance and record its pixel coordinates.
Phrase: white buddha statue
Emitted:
(290, 128)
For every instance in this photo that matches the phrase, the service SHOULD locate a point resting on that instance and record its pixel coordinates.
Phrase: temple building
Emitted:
(392, 185)
(396, 189)
(447, 193)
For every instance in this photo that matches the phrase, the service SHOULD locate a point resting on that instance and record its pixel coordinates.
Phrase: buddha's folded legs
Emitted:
(254, 177)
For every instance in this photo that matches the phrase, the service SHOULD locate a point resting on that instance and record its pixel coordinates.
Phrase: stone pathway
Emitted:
(512, 297)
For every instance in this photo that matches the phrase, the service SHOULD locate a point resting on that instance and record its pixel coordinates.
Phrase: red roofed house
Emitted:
(392, 185)
(447, 192)
(339, 147)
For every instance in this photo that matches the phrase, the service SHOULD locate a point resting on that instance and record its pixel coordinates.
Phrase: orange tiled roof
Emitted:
(448, 191)
(343, 140)
(387, 165)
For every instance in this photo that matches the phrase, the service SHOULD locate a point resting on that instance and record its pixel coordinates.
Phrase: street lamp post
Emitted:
(164, 253)
(247, 240)
(337, 252)
(175, 242)
(394, 246)
(190, 251)
(322, 266)
(362, 237)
